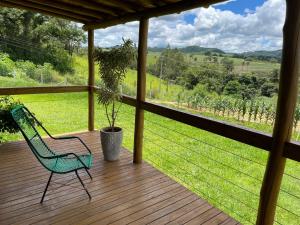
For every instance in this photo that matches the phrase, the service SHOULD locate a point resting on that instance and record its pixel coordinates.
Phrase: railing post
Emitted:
(287, 97)
(91, 81)
(141, 91)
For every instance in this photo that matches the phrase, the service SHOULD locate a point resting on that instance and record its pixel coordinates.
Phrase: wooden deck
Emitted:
(122, 193)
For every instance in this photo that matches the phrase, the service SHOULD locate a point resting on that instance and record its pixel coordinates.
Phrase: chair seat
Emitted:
(70, 163)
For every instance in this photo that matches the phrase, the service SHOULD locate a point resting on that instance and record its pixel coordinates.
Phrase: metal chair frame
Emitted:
(55, 156)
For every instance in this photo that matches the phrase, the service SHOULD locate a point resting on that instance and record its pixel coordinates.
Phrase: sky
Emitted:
(234, 26)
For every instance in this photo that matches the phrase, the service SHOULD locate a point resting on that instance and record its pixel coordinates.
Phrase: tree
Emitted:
(41, 39)
(233, 87)
(274, 76)
(189, 80)
(268, 89)
(227, 64)
(171, 64)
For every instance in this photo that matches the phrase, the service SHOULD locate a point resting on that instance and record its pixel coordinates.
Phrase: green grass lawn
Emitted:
(12, 82)
(226, 173)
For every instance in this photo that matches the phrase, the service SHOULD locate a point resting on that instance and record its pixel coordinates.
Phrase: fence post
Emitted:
(287, 97)
(141, 91)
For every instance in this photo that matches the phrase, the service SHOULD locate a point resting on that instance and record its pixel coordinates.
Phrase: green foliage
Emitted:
(41, 73)
(269, 89)
(232, 88)
(6, 65)
(7, 123)
(112, 69)
(41, 39)
(227, 64)
(170, 65)
(296, 116)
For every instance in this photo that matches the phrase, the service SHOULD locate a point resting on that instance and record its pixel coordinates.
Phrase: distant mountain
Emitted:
(198, 49)
(190, 49)
(262, 55)
(258, 55)
(155, 49)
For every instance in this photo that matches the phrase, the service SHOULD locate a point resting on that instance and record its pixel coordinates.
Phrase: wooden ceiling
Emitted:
(96, 14)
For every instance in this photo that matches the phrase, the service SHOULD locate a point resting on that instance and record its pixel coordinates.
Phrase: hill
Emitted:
(256, 55)
(198, 49)
(262, 55)
(190, 49)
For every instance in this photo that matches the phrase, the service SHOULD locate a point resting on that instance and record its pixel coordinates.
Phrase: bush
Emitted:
(7, 123)
(6, 66)
(28, 68)
(59, 58)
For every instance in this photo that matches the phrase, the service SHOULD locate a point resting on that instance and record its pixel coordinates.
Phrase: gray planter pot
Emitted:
(111, 143)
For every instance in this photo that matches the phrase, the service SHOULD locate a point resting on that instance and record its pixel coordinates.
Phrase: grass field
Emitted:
(226, 173)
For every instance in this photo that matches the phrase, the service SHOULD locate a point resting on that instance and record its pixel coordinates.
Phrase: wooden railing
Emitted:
(238, 133)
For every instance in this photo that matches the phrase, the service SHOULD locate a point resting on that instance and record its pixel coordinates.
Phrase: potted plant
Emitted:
(112, 69)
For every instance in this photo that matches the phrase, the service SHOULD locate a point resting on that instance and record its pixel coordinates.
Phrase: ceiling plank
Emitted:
(14, 5)
(49, 9)
(92, 5)
(126, 6)
(154, 12)
(67, 7)
(146, 3)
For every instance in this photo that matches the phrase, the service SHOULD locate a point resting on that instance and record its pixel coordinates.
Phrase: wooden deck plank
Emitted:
(122, 193)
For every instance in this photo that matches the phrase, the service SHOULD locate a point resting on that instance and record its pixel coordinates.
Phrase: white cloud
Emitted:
(260, 29)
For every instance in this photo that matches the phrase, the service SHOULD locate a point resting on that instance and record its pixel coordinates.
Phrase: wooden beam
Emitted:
(235, 132)
(42, 90)
(154, 12)
(141, 91)
(91, 80)
(146, 3)
(45, 10)
(71, 8)
(287, 97)
(292, 151)
(92, 5)
(126, 6)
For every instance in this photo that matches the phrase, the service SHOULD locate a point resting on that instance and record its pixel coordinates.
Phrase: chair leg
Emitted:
(46, 188)
(83, 185)
(88, 173)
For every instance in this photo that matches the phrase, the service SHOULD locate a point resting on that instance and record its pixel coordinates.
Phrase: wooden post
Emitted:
(287, 98)
(91, 81)
(141, 91)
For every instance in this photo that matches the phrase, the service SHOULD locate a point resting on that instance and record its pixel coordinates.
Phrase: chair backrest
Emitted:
(26, 123)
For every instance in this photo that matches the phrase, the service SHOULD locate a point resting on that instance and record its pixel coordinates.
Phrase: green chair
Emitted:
(55, 163)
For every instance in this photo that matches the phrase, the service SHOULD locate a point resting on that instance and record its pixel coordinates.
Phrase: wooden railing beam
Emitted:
(238, 133)
(141, 91)
(91, 81)
(42, 90)
(287, 98)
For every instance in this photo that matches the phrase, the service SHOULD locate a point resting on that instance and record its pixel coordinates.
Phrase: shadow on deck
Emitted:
(122, 193)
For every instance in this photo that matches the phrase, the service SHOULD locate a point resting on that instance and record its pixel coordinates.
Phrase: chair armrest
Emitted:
(72, 137)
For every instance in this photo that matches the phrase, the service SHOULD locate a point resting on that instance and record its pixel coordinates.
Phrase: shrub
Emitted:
(7, 123)
(6, 66)
(28, 68)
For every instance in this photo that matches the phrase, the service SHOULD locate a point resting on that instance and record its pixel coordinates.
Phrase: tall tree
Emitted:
(31, 36)
(171, 64)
